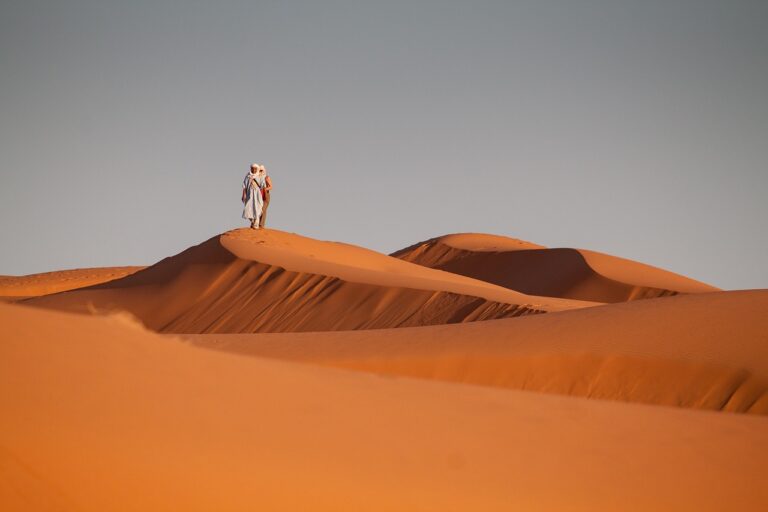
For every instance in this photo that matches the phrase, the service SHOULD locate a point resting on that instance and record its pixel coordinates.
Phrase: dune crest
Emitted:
(535, 270)
(33, 285)
(270, 281)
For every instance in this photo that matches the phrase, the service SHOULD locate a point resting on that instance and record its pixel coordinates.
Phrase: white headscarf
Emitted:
(253, 177)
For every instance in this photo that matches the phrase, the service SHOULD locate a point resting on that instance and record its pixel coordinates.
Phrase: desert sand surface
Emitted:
(33, 285)
(272, 281)
(533, 269)
(706, 351)
(263, 370)
(101, 414)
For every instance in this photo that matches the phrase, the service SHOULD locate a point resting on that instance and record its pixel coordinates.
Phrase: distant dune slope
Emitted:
(532, 269)
(269, 281)
(34, 285)
(706, 351)
(99, 415)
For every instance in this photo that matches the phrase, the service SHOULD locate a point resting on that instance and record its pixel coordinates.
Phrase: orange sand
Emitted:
(33, 285)
(553, 403)
(270, 281)
(707, 351)
(99, 414)
(569, 273)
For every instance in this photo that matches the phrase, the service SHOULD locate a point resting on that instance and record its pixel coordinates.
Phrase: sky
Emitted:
(636, 128)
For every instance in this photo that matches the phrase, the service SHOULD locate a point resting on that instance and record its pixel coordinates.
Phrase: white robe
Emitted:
(252, 184)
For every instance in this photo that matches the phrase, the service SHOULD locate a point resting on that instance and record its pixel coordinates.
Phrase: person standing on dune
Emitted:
(253, 183)
(264, 195)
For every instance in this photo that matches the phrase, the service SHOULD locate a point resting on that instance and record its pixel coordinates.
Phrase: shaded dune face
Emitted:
(617, 377)
(700, 351)
(563, 272)
(551, 272)
(207, 289)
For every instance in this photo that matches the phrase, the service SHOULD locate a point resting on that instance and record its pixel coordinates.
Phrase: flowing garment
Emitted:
(253, 183)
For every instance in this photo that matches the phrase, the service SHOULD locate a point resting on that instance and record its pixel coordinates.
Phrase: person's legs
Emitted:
(263, 218)
(257, 211)
(255, 217)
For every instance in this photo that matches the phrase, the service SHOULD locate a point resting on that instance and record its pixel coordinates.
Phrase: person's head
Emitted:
(262, 169)
(254, 168)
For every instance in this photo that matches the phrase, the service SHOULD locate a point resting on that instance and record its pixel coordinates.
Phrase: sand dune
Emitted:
(33, 285)
(532, 269)
(99, 414)
(270, 281)
(707, 351)
(523, 411)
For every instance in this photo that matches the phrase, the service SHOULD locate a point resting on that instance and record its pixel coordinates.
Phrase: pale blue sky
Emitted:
(637, 128)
